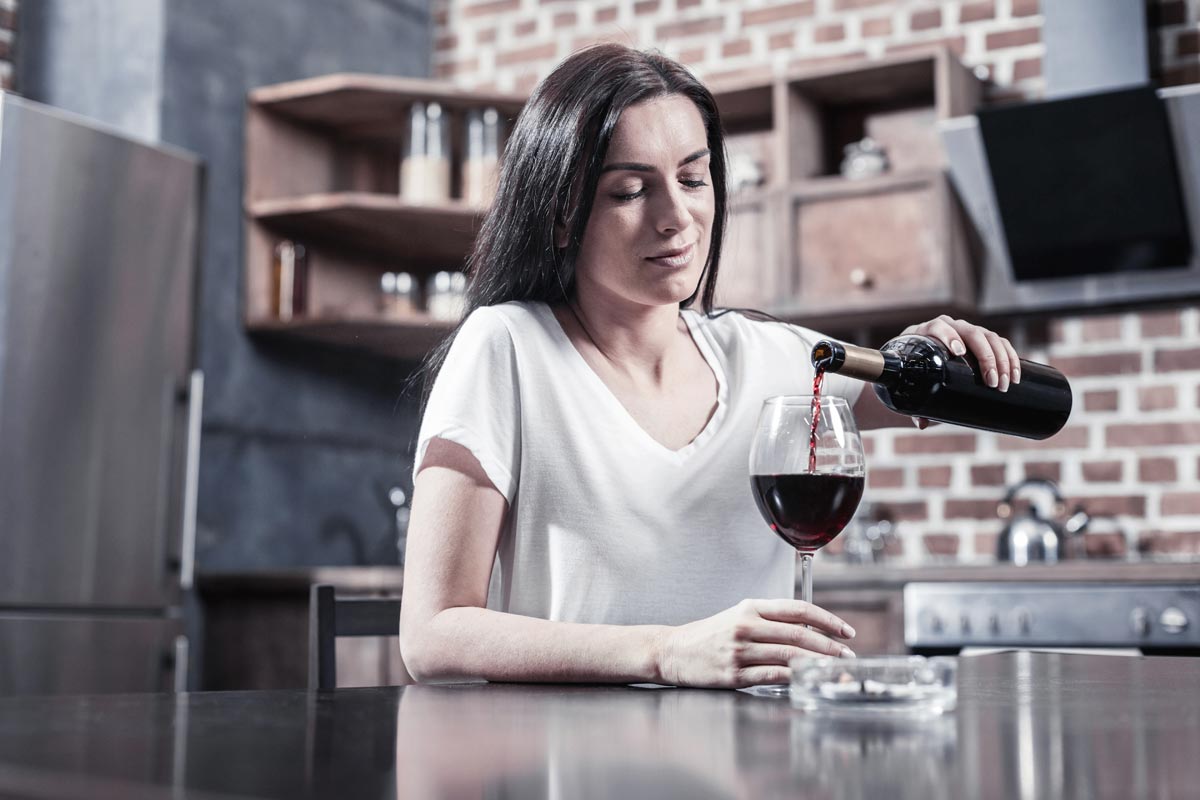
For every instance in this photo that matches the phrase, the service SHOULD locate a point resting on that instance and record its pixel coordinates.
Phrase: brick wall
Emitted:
(8, 35)
(1132, 447)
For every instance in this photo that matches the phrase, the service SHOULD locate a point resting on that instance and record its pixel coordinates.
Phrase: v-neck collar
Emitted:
(619, 410)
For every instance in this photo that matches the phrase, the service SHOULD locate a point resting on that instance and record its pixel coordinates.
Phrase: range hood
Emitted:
(1090, 197)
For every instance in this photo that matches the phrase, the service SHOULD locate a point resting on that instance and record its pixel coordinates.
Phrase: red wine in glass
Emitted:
(809, 509)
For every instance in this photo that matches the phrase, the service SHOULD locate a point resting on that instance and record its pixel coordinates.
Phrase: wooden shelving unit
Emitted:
(323, 159)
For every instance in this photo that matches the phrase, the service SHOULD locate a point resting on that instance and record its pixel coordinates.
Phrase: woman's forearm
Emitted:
(470, 642)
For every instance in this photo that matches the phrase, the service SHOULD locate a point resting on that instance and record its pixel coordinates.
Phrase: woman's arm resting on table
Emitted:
(998, 361)
(446, 633)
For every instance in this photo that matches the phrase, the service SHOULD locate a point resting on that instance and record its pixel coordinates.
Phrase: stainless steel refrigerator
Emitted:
(99, 405)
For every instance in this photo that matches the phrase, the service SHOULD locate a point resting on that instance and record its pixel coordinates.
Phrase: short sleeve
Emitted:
(475, 400)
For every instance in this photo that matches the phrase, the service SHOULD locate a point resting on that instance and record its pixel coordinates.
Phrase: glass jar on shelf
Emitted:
(482, 148)
(446, 296)
(289, 280)
(398, 295)
(425, 166)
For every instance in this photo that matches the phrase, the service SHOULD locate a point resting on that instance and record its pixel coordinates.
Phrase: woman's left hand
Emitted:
(998, 361)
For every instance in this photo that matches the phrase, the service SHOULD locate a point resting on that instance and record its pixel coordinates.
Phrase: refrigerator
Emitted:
(99, 406)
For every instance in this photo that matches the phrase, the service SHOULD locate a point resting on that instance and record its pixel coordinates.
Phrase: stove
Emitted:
(1155, 618)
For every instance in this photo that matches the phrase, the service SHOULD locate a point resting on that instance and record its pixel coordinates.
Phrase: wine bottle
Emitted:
(918, 376)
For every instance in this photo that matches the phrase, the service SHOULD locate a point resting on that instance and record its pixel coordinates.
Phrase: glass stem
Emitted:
(806, 560)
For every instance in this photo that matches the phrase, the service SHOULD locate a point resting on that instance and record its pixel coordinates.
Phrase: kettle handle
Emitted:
(1004, 509)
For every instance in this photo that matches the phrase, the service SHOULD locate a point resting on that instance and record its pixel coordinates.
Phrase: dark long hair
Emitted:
(550, 172)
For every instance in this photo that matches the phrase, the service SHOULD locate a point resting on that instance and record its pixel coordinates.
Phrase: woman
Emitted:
(589, 437)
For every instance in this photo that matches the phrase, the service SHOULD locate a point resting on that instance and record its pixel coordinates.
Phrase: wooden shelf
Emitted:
(348, 100)
(404, 339)
(439, 236)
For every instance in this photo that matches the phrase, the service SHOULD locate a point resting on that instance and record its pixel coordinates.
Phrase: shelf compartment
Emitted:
(405, 339)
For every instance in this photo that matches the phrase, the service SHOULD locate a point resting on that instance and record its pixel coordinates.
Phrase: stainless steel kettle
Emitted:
(1037, 535)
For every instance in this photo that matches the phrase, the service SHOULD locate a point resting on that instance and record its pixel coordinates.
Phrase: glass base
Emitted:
(777, 690)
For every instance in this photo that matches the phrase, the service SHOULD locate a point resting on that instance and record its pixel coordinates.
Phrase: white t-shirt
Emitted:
(605, 524)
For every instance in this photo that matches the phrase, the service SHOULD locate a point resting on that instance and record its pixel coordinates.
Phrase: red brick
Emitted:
(1103, 364)
(738, 47)
(1161, 323)
(525, 27)
(645, 7)
(448, 42)
(564, 19)
(1152, 434)
(902, 512)
(8, 19)
(1157, 398)
(1069, 438)
(758, 72)
(1102, 400)
(974, 12)
(940, 544)
(926, 20)
(987, 474)
(1174, 542)
(1174, 503)
(1027, 68)
(843, 5)
(1046, 470)
(485, 36)
(835, 32)
(1181, 74)
(1188, 43)
(1175, 360)
(934, 443)
(451, 68)
(692, 27)
(682, 4)
(956, 44)
(885, 478)
(524, 83)
(693, 55)
(880, 26)
(490, 7)
(1104, 545)
(1025, 8)
(762, 16)
(441, 18)
(934, 477)
(1058, 331)
(1017, 38)
(1100, 329)
(868, 445)
(970, 509)
(1166, 12)
(534, 53)
(606, 14)
(985, 543)
(1102, 471)
(781, 41)
(1157, 470)
(1111, 505)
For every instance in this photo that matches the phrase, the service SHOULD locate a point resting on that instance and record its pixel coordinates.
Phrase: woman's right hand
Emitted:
(749, 644)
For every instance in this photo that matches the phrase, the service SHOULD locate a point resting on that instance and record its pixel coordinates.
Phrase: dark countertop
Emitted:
(1027, 725)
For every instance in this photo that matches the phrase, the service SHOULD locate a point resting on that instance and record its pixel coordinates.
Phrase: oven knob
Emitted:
(964, 624)
(1024, 621)
(994, 624)
(935, 623)
(1173, 620)
(1140, 621)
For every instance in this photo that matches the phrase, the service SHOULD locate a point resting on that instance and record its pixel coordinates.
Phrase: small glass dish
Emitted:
(893, 685)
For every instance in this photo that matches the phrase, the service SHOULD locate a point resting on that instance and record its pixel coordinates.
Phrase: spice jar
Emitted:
(398, 295)
(289, 280)
(425, 168)
(483, 150)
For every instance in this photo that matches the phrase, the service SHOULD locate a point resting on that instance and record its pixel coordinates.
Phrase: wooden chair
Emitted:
(330, 616)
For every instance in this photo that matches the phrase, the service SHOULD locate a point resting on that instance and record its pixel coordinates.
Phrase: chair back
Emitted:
(330, 617)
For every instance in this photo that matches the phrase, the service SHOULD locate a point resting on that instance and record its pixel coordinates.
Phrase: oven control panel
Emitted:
(1038, 614)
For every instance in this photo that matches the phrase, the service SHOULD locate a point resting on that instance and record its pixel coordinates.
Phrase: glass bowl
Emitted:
(884, 685)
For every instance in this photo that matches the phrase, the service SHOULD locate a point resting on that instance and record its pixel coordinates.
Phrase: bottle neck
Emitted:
(865, 364)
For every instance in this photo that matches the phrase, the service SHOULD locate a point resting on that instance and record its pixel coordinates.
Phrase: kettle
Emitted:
(1037, 535)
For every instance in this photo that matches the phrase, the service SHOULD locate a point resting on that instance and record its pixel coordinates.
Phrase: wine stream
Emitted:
(816, 418)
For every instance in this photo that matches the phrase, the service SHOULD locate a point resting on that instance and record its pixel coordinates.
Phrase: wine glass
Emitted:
(807, 471)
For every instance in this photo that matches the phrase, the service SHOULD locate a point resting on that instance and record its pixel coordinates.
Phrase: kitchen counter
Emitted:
(840, 575)
(1028, 725)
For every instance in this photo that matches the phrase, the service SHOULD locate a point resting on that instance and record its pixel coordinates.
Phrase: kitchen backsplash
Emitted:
(1132, 447)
